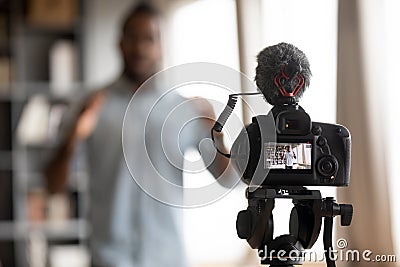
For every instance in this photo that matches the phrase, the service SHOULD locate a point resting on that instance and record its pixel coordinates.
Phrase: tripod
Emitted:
(255, 224)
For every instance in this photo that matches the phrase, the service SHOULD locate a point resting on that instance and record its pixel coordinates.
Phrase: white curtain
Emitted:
(361, 107)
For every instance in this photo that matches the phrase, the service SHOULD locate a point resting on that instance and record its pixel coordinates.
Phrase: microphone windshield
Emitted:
(282, 74)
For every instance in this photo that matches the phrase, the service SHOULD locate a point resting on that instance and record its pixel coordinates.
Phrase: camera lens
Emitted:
(327, 166)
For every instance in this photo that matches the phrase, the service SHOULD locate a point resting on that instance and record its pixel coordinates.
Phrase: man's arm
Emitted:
(220, 163)
(219, 167)
(56, 172)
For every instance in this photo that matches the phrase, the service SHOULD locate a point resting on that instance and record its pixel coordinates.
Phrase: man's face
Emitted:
(141, 47)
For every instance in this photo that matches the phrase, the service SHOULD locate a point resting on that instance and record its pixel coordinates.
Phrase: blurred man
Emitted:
(289, 158)
(128, 227)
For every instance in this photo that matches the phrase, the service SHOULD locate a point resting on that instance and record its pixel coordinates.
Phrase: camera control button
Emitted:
(327, 166)
(244, 224)
(321, 141)
(316, 130)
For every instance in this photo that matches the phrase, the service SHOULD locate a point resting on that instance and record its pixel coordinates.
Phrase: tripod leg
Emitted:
(328, 225)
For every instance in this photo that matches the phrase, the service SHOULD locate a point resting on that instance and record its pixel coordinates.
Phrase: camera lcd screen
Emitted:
(288, 156)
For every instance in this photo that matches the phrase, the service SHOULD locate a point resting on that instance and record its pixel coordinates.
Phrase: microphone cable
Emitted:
(225, 114)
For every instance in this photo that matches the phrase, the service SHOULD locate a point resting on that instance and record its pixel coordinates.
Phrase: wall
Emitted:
(101, 52)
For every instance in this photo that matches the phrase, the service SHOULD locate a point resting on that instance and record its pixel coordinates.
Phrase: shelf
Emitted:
(24, 90)
(77, 183)
(4, 50)
(30, 161)
(70, 31)
(63, 230)
(25, 50)
(5, 97)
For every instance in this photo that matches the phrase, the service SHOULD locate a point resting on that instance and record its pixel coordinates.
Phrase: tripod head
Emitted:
(255, 224)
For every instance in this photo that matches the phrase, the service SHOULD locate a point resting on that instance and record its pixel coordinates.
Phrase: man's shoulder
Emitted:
(120, 85)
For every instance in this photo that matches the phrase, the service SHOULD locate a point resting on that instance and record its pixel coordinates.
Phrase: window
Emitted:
(200, 33)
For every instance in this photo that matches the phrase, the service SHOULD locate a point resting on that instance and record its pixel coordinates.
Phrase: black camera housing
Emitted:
(329, 146)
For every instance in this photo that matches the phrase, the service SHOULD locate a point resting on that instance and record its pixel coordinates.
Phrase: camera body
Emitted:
(296, 151)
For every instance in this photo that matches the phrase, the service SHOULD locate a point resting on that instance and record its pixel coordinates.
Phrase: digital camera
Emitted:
(303, 153)
(280, 153)
(284, 147)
